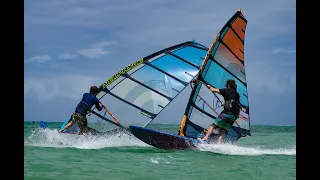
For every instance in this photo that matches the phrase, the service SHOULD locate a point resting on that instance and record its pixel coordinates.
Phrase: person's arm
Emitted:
(98, 105)
(212, 89)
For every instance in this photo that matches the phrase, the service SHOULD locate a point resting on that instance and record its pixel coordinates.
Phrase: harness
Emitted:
(230, 105)
(233, 106)
(84, 107)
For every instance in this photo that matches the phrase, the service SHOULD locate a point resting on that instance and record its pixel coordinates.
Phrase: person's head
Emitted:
(94, 90)
(231, 84)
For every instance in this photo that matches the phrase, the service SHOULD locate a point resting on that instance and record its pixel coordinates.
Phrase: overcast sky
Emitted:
(70, 45)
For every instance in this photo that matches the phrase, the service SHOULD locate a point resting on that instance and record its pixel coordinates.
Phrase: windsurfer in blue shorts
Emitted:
(82, 109)
(230, 112)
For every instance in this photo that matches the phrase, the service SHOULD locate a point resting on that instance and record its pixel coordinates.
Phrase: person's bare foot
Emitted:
(201, 141)
(61, 131)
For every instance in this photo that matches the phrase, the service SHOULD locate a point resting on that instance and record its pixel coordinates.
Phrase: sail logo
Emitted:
(243, 117)
(123, 71)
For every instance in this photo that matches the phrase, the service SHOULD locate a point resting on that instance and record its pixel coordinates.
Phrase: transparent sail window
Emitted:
(230, 62)
(208, 102)
(140, 96)
(191, 54)
(200, 119)
(132, 115)
(158, 81)
(176, 67)
(217, 77)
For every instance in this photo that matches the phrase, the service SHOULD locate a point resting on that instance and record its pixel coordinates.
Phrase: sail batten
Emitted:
(200, 47)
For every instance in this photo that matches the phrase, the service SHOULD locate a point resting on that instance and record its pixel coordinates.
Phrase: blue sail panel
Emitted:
(195, 55)
(176, 67)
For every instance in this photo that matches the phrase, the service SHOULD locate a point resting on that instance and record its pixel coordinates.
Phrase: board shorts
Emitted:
(224, 121)
(81, 120)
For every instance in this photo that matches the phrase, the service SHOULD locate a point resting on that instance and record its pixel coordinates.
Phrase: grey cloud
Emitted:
(96, 50)
(67, 56)
(39, 58)
(263, 78)
(283, 51)
(62, 86)
(146, 19)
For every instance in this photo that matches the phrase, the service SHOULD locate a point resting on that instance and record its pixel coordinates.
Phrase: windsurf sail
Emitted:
(224, 60)
(148, 85)
(43, 124)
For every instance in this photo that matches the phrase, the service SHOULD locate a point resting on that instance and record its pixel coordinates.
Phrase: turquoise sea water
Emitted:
(269, 154)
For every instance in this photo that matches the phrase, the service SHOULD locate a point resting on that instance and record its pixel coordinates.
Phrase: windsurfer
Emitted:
(82, 109)
(230, 112)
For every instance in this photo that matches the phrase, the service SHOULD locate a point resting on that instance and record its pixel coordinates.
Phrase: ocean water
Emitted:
(269, 154)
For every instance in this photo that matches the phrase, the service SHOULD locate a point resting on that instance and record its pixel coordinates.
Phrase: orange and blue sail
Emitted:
(224, 60)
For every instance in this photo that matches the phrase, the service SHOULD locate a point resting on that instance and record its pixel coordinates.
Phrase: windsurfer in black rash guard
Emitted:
(230, 112)
(82, 109)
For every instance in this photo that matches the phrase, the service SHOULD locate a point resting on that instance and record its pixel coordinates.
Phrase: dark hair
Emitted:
(231, 84)
(94, 89)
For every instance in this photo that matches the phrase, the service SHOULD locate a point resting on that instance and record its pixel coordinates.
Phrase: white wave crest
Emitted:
(52, 138)
(232, 149)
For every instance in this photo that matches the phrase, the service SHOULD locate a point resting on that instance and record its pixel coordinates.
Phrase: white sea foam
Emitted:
(52, 138)
(232, 149)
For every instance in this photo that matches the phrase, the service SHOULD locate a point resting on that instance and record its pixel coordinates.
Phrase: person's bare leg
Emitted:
(220, 135)
(80, 129)
(67, 126)
(210, 130)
